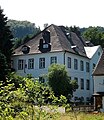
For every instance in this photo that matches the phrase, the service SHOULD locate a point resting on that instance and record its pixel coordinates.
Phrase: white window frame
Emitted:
(20, 64)
(53, 60)
(41, 63)
(69, 62)
(81, 65)
(31, 63)
(87, 67)
(75, 64)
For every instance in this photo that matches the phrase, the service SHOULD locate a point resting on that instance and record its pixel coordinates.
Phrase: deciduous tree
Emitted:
(60, 82)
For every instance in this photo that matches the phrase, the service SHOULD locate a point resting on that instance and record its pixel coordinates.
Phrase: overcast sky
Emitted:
(82, 13)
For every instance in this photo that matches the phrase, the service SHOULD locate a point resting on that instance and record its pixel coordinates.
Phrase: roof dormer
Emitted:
(25, 49)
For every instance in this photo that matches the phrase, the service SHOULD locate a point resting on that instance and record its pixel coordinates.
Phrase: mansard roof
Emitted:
(99, 70)
(60, 40)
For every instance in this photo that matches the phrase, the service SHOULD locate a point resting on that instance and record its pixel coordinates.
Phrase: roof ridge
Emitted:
(57, 34)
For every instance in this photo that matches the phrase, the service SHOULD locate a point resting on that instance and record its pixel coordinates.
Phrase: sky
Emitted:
(82, 13)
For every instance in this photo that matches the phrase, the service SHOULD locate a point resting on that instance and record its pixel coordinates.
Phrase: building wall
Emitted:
(36, 71)
(98, 84)
(61, 59)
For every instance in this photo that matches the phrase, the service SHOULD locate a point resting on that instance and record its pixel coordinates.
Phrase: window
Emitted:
(87, 85)
(69, 78)
(45, 45)
(87, 67)
(41, 80)
(11, 63)
(20, 64)
(69, 62)
(75, 64)
(42, 63)
(31, 63)
(53, 60)
(94, 65)
(82, 84)
(81, 65)
(76, 79)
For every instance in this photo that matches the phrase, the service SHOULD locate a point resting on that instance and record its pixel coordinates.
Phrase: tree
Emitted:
(5, 38)
(3, 67)
(75, 30)
(95, 35)
(20, 29)
(60, 82)
(25, 101)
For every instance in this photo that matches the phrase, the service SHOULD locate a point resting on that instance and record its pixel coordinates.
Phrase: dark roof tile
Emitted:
(59, 42)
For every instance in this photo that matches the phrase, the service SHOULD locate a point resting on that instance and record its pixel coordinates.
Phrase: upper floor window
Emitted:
(20, 64)
(45, 45)
(94, 65)
(69, 62)
(42, 63)
(31, 63)
(87, 67)
(11, 63)
(87, 85)
(53, 60)
(75, 64)
(82, 83)
(81, 65)
(76, 79)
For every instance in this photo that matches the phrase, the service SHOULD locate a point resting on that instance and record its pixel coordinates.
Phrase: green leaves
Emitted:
(59, 80)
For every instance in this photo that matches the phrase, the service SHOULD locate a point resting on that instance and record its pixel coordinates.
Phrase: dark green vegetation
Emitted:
(5, 46)
(19, 98)
(93, 34)
(60, 81)
(22, 31)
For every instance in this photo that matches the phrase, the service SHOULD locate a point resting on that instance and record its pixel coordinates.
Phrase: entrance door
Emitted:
(98, 102)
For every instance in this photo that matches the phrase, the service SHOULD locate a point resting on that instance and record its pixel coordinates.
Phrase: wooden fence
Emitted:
(84, 108)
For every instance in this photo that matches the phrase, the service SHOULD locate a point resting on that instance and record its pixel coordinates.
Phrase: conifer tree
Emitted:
(5, 46)
(5, 37)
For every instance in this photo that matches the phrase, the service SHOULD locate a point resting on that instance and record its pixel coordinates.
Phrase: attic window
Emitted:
(45, 45)
(25, 49)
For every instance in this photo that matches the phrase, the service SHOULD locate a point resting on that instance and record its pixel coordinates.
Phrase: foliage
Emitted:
(60, 82)
(3, 68)
(95, 35)
(20, 29)
(5, 37)
(26, 100)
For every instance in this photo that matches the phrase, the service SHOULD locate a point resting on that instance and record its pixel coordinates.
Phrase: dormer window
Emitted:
(45, 45)
(25, 49)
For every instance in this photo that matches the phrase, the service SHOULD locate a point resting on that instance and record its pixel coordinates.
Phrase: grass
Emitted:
(81, 116)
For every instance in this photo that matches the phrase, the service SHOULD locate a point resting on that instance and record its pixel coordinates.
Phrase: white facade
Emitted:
(99, 88)
(98, 84)
(62, 58)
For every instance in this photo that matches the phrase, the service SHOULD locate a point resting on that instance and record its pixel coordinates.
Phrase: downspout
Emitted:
(64, 57)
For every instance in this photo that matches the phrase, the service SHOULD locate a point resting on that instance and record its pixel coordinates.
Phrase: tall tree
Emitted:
(5, 43)
(5, 37)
